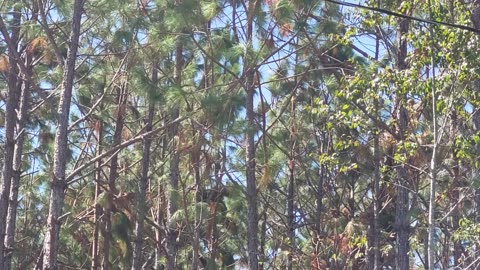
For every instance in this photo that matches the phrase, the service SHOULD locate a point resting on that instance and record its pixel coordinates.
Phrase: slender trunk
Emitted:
(142, 189)
(322, 144)
(198, 199)
(456, 186)
(159, 235)
(291, 189)
(402, 223)
(212, 231)
(321, 173)
(433, 163)
(252, 216)
(319, 198)
(113, 175)
(291, 213)
(263, 240)
(195, 163)
(98, 209)
(252, 212)
(59, 184)
(14, 85)
(374, 249)
(431, 208)
(17, 163)
(171, 241)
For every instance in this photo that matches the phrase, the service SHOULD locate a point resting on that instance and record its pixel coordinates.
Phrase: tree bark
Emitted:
(113, 175)
(252, 211)
(14, 85)
(98, 208)
(433, 162)
(142, 187)
(322, 144)
(373, 258)
(160, 215)
(59, 184)
(195, 163)
(17, 161)
(291, 188)
(252, 215)
(171, 241)
(212, 230)
(402, 223)
(291, 213)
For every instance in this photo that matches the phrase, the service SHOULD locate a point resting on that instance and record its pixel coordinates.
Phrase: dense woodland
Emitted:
(235, 134)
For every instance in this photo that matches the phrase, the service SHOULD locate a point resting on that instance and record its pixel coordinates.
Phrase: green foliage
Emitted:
(327, 96)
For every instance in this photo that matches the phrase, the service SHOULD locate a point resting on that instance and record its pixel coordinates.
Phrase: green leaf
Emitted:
(210, 9)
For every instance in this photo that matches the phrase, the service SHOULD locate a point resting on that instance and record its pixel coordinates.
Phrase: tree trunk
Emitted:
(433, 163)
(171, 245)
(456, 186)
(373, 257)
(59, 184)
(159, 233)
(113, 175)
(195, 162)
(14, 86)
(252, 215)
(322, 143)
(142, 187)
(98, 209)
(374, 241)
(17, 162)
(431, 208)
(291, 188)
(252, 211)
(402, 223)
(291, 213)
(212, 231)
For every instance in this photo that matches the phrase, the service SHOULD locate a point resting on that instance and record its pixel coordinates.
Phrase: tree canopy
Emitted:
(239, 134)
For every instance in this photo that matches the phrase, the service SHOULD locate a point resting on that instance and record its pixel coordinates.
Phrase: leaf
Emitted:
(265, 179)
(285, 29)
(3, 63)
(210, 9)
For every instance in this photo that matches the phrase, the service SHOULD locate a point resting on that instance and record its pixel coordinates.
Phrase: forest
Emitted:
(240, 134)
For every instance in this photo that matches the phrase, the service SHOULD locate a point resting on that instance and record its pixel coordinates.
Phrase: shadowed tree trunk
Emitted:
(373, 258)
(402, 223)
(291, 188)
(59, 184)
(252, 211)
(171, 241)
(17, 161)
(433, 162)
(160, 214)
(142, 186)
(456, 186)
(98, 209)
(195, 163)
(14, 85)
(113, 175)
(321, 137)
(252, 227)
(212, 230)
